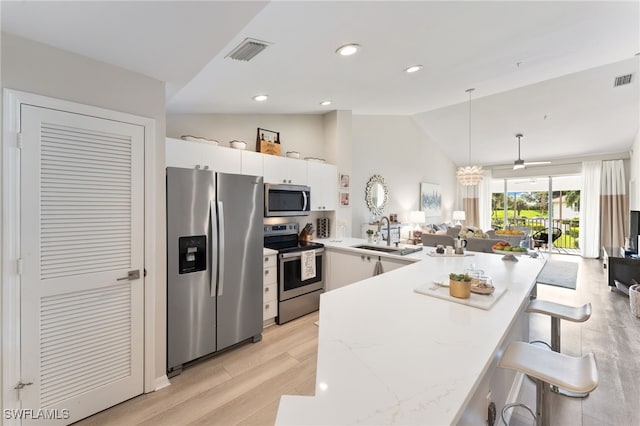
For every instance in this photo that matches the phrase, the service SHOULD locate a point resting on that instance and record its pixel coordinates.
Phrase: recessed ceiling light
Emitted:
(260, 98)
(325, 103)
(413, 68)
(348, 49)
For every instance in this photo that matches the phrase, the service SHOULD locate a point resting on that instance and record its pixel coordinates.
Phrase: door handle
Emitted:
(131, 275)
(21, 385)
(220, 248)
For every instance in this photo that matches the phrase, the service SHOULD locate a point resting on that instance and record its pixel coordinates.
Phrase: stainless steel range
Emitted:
(296, 296)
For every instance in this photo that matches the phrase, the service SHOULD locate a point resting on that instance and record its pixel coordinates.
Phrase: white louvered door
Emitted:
(82, 231)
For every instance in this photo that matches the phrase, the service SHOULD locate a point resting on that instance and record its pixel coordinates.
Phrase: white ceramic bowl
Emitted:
(238, 144)
(199, 139)
(293, 154)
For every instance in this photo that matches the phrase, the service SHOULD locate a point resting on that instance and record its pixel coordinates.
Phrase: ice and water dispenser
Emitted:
(192, 254)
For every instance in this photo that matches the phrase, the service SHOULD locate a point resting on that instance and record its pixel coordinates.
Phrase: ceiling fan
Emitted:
(520, 163)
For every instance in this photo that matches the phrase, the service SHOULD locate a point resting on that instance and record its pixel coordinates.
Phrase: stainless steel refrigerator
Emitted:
(214, 262)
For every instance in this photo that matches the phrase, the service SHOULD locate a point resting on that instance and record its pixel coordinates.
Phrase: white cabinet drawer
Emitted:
(270, 310)
(268, 261)
(269, 275)
(270, 293)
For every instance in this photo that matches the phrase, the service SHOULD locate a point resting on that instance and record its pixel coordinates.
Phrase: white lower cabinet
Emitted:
(345, 268)
(389, 264)
(270, 289)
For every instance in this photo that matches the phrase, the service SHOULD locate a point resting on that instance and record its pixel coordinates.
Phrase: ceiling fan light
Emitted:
(518, 164)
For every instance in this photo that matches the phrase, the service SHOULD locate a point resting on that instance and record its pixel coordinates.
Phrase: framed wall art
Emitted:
(344, 181)
(430, 199)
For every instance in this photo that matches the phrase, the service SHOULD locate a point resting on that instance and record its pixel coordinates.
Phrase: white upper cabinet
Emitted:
(252, 163)
(284, 170)
(190, 155)
(323, 180)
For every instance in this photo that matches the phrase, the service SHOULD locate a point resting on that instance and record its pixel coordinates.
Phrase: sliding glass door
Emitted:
(547, 208)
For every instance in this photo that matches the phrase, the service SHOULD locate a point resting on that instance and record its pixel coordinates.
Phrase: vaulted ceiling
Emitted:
(544, 69)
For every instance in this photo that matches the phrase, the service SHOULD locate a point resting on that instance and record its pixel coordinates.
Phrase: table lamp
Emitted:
(458, 215)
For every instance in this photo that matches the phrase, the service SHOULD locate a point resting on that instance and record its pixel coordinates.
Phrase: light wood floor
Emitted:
(612, 334)
(243, 386)
(240, 386)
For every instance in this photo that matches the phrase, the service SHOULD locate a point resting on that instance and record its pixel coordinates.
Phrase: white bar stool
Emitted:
(559, 312)
(577, 374)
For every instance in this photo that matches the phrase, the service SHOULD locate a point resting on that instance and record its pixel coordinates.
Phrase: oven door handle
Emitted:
(294, 255)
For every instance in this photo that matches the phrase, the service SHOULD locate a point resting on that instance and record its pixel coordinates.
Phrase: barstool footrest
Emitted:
(569, 394)
(533, 342)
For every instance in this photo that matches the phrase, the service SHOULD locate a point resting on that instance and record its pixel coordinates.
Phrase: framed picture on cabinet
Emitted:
(268, 142)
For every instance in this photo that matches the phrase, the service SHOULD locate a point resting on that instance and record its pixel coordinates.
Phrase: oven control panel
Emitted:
(281, 229)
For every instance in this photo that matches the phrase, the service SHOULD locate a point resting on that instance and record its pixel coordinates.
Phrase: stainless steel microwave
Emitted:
(286, 200)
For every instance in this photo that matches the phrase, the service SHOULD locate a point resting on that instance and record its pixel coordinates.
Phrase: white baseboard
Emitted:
(162, 382)
(513, 394)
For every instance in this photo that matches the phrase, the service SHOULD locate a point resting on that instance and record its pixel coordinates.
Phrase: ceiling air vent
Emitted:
(622, 80)
(246, 50)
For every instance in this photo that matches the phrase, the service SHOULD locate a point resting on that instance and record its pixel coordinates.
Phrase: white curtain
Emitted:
(590, 209)
(484, 199)
(614, 205)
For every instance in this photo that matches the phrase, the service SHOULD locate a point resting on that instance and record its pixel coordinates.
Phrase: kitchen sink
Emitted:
(392, 250)
(408, 250)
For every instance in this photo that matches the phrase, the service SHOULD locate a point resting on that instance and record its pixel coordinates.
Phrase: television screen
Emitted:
(634, 222)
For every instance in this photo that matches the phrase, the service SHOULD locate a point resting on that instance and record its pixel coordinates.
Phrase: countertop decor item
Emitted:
(198, 139)
(460, 285)
(268, 142)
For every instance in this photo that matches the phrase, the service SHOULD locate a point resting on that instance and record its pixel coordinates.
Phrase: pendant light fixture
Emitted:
(469, 175)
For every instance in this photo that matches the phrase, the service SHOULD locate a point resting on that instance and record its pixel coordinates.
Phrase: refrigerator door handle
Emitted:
(212, 243)
(304, 196)
(220, 248)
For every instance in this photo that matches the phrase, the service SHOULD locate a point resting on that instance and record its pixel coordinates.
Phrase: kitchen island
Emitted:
(388, 355)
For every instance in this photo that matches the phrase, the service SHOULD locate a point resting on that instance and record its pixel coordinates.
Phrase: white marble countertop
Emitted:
(387, 355)
(268, 252)
(346, 244)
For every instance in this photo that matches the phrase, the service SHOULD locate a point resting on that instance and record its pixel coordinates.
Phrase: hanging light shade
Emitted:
(470, 175)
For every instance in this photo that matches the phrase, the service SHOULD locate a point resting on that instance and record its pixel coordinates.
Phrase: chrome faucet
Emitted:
(388, 228)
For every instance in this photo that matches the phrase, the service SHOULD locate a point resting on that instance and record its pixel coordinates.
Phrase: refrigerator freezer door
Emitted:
(191, 311)
(240, 304)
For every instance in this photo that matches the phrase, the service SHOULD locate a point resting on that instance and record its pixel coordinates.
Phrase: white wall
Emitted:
(634, 173)
(302, 133)
(397, 149)
(338, 148)
(37, 68)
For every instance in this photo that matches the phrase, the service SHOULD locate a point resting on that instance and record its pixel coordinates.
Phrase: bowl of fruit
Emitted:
(509, 232)
(506, 248)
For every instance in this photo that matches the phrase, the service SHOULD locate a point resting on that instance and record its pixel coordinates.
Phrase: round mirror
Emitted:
(376, 194)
